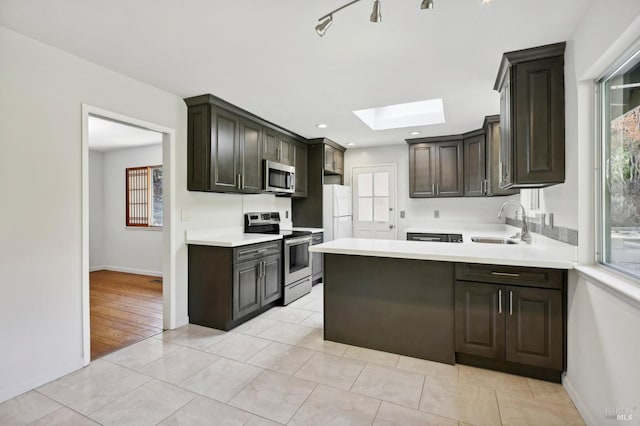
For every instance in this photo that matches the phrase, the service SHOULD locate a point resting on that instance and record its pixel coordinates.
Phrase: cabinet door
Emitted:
(270, 145)
(224, 151)
(504, 161)
(449, 172)
(329, 161)
(198, 148)
(246, 288)
(317, 259)
(422, 170)
(539, 122)
(287, 151)
(338, 158)
(479, 311)
(272, 280)
(534, 327)
(250, 163)
(301, 170)
(492, 142)
(474, 166)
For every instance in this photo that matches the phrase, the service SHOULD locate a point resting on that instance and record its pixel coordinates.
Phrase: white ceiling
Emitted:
(265, 57)
(107, 135)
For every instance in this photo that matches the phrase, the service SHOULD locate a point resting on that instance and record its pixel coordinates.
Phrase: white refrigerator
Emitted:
(336, 212)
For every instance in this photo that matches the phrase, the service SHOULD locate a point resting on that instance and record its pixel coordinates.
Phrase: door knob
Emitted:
(390, 226)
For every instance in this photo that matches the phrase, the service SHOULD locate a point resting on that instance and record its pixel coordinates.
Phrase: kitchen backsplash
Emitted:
(559, 233)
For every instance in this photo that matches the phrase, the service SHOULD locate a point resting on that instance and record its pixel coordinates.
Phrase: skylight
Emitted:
(412, 114)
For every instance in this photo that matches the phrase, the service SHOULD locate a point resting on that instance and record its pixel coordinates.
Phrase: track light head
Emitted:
(376, 14)
(322, 27)
(426, 4)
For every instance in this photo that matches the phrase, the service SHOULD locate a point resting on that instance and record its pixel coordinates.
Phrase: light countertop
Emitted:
(543, 252)
(227, 238)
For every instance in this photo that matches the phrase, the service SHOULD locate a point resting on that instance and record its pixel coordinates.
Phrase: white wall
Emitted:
(419, 211)
(603, 328)
(97, 256)
(42, 90)
(135, 250)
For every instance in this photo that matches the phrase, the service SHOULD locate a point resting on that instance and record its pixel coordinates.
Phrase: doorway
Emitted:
(133, 300)
(374, 201)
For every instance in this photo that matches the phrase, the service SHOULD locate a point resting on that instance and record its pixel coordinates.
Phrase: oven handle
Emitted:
(291, 241)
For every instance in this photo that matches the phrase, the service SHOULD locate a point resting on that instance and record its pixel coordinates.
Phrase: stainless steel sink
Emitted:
(493, 240)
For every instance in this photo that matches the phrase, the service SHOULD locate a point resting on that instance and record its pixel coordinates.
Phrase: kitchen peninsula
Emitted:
(496, 306)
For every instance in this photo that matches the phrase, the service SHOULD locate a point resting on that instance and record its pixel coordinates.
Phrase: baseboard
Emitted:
(97, 268)
(582, 408)
(34, 382)
(126, 270)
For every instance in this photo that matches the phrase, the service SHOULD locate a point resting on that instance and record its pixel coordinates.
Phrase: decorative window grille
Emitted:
(144, 196)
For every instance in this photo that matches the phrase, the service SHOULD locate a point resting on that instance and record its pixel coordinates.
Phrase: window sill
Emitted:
(143, 228)
(624, 288)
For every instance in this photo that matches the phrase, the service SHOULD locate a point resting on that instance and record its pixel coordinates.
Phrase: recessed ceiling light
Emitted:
(414, 133)
(350, 144)
(412, 114)
(487, 1)
(321, 126)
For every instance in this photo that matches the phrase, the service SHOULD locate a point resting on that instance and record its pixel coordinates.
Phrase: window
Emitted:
(620, 165)
(144, 196)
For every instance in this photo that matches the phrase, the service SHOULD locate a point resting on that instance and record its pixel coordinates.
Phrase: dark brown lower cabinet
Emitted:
(228, 286)
(518, 327)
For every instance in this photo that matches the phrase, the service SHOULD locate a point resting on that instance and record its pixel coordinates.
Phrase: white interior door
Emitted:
(374, 202)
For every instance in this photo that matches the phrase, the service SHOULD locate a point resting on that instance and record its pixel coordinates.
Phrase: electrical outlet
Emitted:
(186, 215)
(401, 214)
(286, 214)
(436, 214)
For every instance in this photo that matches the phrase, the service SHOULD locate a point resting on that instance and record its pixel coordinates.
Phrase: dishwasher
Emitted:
(434, 237)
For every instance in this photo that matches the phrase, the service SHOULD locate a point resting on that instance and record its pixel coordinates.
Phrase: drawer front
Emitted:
(317, 238)
(512, 275)
(256, 251)
(297, 290)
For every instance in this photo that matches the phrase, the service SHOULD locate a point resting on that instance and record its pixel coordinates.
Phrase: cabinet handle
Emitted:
(433, 189)
(242, 181)
(279, 153)
(437, 189)
(510, 302)
(238, 182)
(499, 301)
(504, 274)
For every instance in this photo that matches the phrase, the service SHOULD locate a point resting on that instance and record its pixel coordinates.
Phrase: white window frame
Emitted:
(633, 53)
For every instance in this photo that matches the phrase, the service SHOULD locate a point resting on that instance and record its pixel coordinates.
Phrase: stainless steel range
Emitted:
(297, 259)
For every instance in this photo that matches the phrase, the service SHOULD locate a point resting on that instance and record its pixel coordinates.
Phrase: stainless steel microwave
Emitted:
(279, 178)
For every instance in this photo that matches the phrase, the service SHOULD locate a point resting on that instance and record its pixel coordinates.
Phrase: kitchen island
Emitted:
(495, 306)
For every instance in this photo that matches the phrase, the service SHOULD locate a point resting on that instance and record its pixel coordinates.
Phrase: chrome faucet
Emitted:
(524, 233)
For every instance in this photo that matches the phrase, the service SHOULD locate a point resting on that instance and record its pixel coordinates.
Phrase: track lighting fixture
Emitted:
(321, 28)
(426, 4)
(376, 14)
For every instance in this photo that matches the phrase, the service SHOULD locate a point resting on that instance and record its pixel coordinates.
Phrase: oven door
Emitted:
(297, 259)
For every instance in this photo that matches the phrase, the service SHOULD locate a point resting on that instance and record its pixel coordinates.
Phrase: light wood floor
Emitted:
(125, 308)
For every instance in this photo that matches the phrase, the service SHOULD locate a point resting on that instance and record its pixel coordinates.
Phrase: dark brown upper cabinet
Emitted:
(531, 86)
(226, 147)
(436, 167)
(224, 151)
(278, 147)
(333, 160)
(474, 164)
(300, 163)
(492, 138)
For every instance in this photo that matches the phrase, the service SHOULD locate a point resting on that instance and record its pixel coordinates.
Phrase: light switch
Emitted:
(436, 214)
(401, 214)
(186, 215)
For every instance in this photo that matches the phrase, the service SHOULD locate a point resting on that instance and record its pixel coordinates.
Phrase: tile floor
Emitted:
(277, 369)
